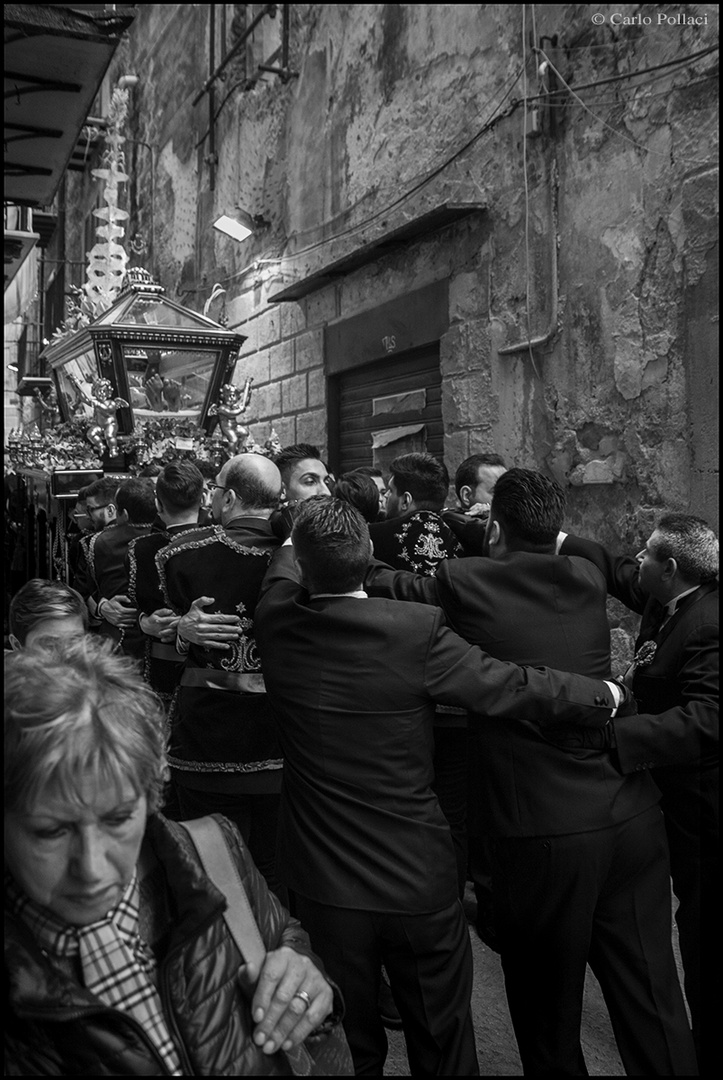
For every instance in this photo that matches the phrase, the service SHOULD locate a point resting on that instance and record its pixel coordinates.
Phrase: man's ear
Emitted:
(465, 496)
(406, 501)
(14, 643)
(670, 569)
(112, 511)
(495, 535)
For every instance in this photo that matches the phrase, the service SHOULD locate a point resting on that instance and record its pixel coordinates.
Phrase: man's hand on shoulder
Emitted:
(209, 630)
(161, 624)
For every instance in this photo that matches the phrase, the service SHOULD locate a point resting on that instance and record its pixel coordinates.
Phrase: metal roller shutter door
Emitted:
(394, 392)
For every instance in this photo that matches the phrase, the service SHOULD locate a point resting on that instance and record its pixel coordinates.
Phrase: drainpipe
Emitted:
(542, 339)
(211, 156)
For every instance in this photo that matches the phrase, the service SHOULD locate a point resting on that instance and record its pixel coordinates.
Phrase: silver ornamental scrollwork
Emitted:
(645, 654)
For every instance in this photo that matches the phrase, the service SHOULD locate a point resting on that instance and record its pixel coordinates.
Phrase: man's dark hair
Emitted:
(360, 491)
(288, 457)
(103, 488)
(692, 543)
(137, 497)
(251, 490)
(466, 475)
(207, 469)
(424, 477)
(530, 507)
(151, 469)
(179, 487)
(369, 470)
(39, 600)
(331, 540)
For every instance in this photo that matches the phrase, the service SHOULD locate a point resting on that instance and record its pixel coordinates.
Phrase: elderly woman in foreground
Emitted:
(118, 956)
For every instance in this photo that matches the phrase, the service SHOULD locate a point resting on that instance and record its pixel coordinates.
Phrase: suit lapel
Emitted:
(651, 629)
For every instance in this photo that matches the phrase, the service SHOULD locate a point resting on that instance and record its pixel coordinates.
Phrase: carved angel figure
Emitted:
(48, 405)
(233, 403)
(104, 429)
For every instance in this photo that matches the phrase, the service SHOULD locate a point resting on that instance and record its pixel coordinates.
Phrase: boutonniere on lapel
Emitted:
(645, 654)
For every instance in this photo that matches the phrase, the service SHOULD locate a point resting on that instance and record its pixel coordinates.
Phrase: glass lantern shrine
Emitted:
(164, 360)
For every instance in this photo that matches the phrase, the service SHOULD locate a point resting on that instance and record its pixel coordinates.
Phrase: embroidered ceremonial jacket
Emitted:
(161, 662)
(224, 723)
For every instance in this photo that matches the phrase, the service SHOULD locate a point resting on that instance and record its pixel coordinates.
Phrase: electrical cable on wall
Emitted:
(495, 118)
(625, 138)
(527, 194)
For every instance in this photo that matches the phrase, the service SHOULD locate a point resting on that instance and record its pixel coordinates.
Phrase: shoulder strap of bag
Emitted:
(210, 843)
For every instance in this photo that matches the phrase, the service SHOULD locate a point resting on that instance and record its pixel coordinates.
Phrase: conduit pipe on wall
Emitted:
(268, 9)
(542, 339)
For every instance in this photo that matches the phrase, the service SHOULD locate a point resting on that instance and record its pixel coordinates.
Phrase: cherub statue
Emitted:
(48, 406)
(233, 403)
(104, 429)
(273, 443)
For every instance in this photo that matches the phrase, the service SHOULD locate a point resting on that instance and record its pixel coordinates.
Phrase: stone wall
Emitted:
(596, 230)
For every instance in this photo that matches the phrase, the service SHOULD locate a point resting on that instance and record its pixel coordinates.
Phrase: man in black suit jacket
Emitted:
(363, 845)
(672, 583)
(580, 866)
(179, 489)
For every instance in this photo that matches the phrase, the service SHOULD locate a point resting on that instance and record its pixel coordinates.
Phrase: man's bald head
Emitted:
(248, 483)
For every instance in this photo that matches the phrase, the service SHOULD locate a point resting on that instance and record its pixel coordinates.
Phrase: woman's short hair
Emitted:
(74, 709)
(39, 600)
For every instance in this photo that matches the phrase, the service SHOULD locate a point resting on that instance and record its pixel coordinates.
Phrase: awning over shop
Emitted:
(55, 60)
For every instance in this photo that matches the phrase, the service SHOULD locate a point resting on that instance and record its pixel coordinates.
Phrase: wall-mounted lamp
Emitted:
(241, 225)
(231, 227)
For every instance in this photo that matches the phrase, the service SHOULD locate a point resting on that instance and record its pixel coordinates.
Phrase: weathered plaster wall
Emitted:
(622, 405)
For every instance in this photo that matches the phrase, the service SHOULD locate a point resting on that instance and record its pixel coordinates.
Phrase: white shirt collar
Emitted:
(672, 604)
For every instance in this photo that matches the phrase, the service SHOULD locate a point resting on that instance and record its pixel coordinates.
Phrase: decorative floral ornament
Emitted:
(645, 654)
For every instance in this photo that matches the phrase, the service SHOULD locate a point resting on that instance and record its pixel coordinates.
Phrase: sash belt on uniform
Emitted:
(240, 682)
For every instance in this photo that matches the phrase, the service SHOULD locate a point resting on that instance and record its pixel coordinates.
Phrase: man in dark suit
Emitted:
(673, 584)
(179, 489)
(106, 553)
(580, 864)
(415, 537)
(363, 845)
(473, 483)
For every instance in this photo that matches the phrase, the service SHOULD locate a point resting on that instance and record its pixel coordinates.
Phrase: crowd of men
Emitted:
(389, 698)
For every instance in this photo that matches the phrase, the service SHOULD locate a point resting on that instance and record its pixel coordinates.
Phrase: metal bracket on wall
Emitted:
(209, 87)
(268, 9)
